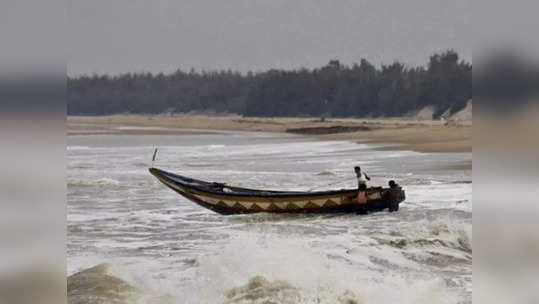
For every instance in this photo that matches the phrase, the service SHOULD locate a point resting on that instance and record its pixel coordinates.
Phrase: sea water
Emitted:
(162, 243)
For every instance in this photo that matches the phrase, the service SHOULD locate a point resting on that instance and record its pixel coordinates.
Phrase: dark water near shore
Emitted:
(156, 240)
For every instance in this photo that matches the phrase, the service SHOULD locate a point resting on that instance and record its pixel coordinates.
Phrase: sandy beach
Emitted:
(410, 134)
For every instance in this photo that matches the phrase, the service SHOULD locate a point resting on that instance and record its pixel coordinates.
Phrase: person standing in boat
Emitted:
(362, 177)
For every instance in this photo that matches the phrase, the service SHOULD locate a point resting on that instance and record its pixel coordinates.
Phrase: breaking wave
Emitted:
(99, 284)
(442, 232)
(260, 290)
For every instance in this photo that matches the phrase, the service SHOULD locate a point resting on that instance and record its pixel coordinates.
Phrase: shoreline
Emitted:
(400, 133)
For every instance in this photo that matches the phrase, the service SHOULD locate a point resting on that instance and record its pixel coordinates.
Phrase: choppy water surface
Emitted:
(156, 240)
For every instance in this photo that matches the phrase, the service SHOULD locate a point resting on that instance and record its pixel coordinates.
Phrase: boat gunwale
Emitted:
(254, 192)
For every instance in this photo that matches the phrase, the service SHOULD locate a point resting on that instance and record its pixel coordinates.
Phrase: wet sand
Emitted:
(410, 134)
(416, 137)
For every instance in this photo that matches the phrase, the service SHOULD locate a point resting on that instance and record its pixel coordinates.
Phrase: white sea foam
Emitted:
(436, 196)
(299, 272)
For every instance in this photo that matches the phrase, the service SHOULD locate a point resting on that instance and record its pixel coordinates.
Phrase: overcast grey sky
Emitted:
(116, 36)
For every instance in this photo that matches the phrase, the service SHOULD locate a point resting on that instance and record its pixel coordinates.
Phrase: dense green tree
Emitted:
(335, 89)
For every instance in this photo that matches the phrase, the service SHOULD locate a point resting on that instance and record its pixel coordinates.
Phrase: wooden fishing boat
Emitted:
(225, 199)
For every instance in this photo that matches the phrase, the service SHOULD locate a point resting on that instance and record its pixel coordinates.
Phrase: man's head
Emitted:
(357, 169)
(392, 184)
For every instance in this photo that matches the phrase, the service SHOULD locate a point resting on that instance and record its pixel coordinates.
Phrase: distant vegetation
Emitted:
(334, 90)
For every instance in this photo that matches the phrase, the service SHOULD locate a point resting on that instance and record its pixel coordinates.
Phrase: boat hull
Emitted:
(232, 200)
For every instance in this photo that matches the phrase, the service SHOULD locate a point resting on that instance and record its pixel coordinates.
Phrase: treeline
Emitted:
(334, 90)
